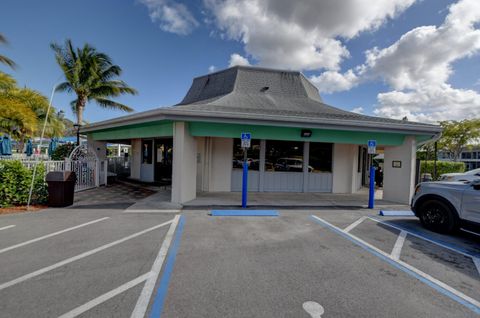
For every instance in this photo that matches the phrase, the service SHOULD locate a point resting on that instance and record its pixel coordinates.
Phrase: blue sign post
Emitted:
(246, 139)
(372, 149)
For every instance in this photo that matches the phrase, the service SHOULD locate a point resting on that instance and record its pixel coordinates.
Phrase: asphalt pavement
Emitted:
(87, 262)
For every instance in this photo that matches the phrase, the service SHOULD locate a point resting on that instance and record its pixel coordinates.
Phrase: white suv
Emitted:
(446, 206)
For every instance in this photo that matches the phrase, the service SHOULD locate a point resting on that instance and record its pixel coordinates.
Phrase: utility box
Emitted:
(61, 187)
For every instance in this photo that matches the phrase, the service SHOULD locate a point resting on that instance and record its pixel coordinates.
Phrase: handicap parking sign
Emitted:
(246, 138)
(372, 147)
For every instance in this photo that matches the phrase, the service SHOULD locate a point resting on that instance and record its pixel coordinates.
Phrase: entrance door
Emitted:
(163, 160)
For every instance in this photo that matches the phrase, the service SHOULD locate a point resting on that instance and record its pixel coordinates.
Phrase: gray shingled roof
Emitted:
(259, 95)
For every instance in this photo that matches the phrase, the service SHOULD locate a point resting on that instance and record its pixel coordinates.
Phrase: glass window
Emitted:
(320, 159)
(284, 156)
(147, 151)
(253, 154)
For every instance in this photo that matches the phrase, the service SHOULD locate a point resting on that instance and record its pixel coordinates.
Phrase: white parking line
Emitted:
(354, 224)
(78, 257)
(97, 301)
(6, 249)
(476, 261)
(144, 299)
(6, 227)
(397, 248)
(418, 272)
(151, 211)
(423, 237)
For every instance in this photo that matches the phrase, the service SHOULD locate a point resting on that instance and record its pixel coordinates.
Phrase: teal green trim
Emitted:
(145, 130)
(422, 139)
(293, 134)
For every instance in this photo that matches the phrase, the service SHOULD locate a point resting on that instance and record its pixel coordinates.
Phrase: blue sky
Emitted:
(160, 57)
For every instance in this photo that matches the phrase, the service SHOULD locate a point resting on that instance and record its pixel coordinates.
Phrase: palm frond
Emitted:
(109, 104)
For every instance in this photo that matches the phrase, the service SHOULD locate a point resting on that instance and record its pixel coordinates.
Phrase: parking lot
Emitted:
(91, 262)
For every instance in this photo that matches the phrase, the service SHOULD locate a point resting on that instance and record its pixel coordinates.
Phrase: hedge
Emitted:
(62, 151)
(15, 181)
(442, 167)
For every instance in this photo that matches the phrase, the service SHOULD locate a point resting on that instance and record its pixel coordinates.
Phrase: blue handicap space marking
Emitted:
(244, 213)
(396, 213)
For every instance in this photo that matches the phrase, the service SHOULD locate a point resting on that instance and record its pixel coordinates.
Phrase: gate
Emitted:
(90, 171)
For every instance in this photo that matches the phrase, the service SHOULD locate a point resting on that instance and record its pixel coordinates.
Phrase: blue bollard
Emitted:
(244, 184)
(371, 193)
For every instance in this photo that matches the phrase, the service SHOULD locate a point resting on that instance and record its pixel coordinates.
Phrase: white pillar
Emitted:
(398, 183)
(184, 171)
(344, 168)
(100, 147)
(135, 158)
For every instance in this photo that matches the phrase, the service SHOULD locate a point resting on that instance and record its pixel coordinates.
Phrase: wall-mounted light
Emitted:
(306, 133)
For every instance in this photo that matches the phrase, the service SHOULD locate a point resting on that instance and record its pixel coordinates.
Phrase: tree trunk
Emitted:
(80, 108)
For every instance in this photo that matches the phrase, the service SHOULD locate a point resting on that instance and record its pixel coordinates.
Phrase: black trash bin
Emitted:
(61, 186)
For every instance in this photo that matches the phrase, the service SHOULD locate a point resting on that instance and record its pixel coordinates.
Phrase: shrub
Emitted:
(62, 151)
(442, 167)
(15, 185)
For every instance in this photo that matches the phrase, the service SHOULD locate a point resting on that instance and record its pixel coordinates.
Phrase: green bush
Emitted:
(62, 151)
(442, 167)
(15, 184)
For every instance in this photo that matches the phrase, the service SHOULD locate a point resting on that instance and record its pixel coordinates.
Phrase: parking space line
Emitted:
(6, 249)
(152, 211)
(144, 299)
(103, 298)
(78, 257)
(6, 227)
(460, 251)
(397, 248)
(438, 285)
(355, 224)
(476, 261)
(161, 294)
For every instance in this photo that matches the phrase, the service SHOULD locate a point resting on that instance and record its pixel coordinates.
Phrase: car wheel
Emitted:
(438, 216)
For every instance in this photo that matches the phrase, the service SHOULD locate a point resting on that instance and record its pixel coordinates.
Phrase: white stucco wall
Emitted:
(100, 147)
(184, 171)
(214, 164)
(398, 183)
(221, 166)
(135, 158)
(345, 173)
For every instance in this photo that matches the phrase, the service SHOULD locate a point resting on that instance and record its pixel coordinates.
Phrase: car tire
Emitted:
(438, 216)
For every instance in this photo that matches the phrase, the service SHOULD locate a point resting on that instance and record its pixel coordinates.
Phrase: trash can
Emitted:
(61, 186)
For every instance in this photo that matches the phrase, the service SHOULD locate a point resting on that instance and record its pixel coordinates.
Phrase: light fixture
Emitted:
(306, 133)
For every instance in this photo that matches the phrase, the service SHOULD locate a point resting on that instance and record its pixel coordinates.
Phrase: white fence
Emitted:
(90, 173)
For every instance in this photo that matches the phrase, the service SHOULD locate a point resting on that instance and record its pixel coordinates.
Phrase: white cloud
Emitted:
(171, 16)
(211, 69)
(331, 81)
(358, 110)
(417, 67)
(237, 59)
(431, 104)
(302, 34)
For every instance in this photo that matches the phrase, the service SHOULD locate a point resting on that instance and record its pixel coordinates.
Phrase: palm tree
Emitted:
(91, 75)
(4, 59)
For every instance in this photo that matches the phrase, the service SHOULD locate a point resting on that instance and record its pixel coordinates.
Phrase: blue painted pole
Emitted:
(245, 180)
(371, 193)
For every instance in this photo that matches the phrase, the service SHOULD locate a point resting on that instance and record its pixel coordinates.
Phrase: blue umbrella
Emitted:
(6, 147)
(52, 146)
(29, 149)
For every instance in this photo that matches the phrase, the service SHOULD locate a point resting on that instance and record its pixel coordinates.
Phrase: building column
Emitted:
(399, 179)
(135, 158)
(184, 171)
(344, 168)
